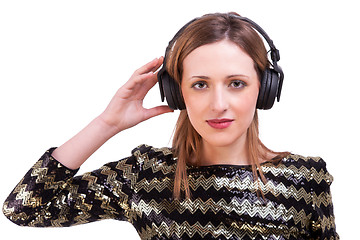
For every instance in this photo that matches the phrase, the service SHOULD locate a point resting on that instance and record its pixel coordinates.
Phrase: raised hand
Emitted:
(126, 107)
(124, 111)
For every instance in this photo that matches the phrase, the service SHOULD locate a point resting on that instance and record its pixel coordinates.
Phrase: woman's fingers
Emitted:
(160, 62)
(139, 84)
(150, 66)
(145, 75)
(126, 107)
(155, 111)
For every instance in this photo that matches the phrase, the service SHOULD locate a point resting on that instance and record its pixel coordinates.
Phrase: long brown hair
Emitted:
(208, 29)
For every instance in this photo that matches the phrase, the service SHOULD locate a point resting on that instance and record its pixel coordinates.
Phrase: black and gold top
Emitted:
(225, 203)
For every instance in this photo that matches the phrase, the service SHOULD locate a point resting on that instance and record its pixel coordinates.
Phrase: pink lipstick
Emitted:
(220, 123)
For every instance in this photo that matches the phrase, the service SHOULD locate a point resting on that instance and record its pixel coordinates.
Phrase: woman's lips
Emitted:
(220, 123)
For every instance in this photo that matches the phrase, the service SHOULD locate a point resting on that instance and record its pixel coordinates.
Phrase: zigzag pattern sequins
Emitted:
(26, 196)
(326, 223)
(323, 199)
(297, 157)
(116, 186)
(138, 189)
(248, 184)
(40, 175)
(245, 207)
(240, 230)
(153, 163)
(298, 173)
(127, 171)
(12, 215)
(155, 183)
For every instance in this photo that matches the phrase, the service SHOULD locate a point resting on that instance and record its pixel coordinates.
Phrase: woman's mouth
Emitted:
(220, 123)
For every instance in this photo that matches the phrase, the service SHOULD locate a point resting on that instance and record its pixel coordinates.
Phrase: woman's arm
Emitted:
(125, 110)
(323, 218)
(50, 195)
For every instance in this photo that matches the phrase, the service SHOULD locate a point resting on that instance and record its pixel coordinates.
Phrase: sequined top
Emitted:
(225, 203)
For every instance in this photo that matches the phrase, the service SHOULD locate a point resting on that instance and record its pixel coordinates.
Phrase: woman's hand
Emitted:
(126, 108)
(124, 111)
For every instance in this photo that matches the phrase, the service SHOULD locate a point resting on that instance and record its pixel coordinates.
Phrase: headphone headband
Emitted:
(274, 52)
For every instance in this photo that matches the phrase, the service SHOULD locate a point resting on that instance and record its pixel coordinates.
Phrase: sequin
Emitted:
(225, 203)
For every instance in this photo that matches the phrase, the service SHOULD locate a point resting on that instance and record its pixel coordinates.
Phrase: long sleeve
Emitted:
(50, 195)
(323, 219)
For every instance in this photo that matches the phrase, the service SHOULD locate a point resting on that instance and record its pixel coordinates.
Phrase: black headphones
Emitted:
(271, 81)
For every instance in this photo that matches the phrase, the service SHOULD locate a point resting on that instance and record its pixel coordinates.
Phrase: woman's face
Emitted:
(220, 88)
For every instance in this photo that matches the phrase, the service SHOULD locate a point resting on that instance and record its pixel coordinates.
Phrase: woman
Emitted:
(217, 181)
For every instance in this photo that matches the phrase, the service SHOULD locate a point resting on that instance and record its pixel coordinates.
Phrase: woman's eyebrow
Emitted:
(237, 75)
(201, 77)
(229, 76)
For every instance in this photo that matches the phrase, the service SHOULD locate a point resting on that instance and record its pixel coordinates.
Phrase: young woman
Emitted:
(218, 181)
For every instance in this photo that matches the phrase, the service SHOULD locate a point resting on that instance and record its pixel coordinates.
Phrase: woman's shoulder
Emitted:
(144, 151)
(300, 159)
(312, 168)
(145, 156)
(148, 149)
(308, 162)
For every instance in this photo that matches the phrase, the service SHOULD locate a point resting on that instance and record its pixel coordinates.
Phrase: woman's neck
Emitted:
(234, 154)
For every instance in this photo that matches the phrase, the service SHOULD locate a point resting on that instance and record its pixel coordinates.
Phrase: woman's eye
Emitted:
(237, 84)
(199, 85)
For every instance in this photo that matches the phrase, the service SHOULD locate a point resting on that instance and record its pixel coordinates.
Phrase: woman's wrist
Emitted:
(103, 128)
(108, 127)
(79, 148)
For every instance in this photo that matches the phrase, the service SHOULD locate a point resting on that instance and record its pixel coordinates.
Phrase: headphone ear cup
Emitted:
(263, 87)
(170, 90)
(180, 104)
(268, 89)
(166, 83)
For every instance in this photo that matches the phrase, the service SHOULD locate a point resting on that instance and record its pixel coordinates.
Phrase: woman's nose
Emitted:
(218, 100)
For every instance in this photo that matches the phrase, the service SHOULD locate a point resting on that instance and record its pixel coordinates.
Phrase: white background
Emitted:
(62, 61)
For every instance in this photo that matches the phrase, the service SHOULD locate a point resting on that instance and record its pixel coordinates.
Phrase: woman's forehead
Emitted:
(223, 57)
